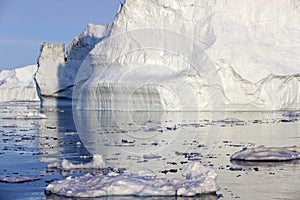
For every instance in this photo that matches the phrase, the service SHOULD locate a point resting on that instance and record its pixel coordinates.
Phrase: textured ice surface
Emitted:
(18, 84)
(263, 153)
(218, 55)
(198, 180)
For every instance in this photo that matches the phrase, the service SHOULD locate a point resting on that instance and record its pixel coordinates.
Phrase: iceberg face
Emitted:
(18, 84)
(191, 55)
(176, 55)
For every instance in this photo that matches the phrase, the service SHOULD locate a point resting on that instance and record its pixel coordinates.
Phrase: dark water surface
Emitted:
(162, 141)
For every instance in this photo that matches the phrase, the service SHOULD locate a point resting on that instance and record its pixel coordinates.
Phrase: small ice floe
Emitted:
(198, 180)
(231, 121)
(151, 156)
(71, 133)
(96, 163)
(32, 115)
(18, 179)
(263, 153)
(123, 143)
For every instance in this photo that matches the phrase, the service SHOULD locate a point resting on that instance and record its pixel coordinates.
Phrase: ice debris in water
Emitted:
(28, 115)
(32, 115)
(198, 180)
(263, 153)
(18, 179)
(96, 163)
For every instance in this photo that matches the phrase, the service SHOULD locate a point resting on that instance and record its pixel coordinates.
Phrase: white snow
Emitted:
(198, 180)
(96, 163)
(18, 84)
(222, 55)
(263, 153)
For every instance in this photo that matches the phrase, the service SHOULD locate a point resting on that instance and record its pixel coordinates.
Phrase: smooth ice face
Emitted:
(199, 180)
(263, 153)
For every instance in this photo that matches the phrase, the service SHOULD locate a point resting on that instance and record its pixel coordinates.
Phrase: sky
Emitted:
(26, 24)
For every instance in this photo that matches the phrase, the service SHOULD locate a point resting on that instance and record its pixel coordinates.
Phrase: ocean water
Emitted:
(162, 141)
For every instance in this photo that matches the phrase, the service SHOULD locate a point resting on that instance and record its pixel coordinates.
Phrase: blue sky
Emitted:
(25, 24)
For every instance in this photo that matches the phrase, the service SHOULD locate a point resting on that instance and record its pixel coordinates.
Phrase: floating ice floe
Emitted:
(198, 180)
(32, 115)
(263, 153)
(151, 156)
(18, 179)
(96, 163)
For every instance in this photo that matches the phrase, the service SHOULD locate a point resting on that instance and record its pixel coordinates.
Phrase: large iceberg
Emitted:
(195, 55)
(180, 55)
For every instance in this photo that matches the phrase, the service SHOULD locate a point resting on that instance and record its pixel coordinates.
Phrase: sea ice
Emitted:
(96, 163)
(263, 153)
(198, 180)
(18, 179)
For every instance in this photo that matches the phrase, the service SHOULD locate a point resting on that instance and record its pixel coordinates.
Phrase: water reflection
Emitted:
(200, 197)
(131, 139)
(265, 164)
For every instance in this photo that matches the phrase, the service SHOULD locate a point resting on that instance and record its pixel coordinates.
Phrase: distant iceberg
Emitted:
(18, 84)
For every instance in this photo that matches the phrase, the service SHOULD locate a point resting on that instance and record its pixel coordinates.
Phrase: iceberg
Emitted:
(18, 85)
(57, 69)
(195, 55)
(175, 55)
(198, 180)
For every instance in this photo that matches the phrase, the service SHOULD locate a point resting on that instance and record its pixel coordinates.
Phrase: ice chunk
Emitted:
(32, 115)
(96, 163)
(18, 179)
(199, 180)
(151, 156)
(263, 153)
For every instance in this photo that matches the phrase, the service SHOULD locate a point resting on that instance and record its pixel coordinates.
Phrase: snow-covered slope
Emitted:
(18, 84)
(196, 55)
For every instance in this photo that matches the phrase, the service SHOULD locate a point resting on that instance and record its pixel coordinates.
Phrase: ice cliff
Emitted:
(57, 70)
(197, 55)
(182, 55)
